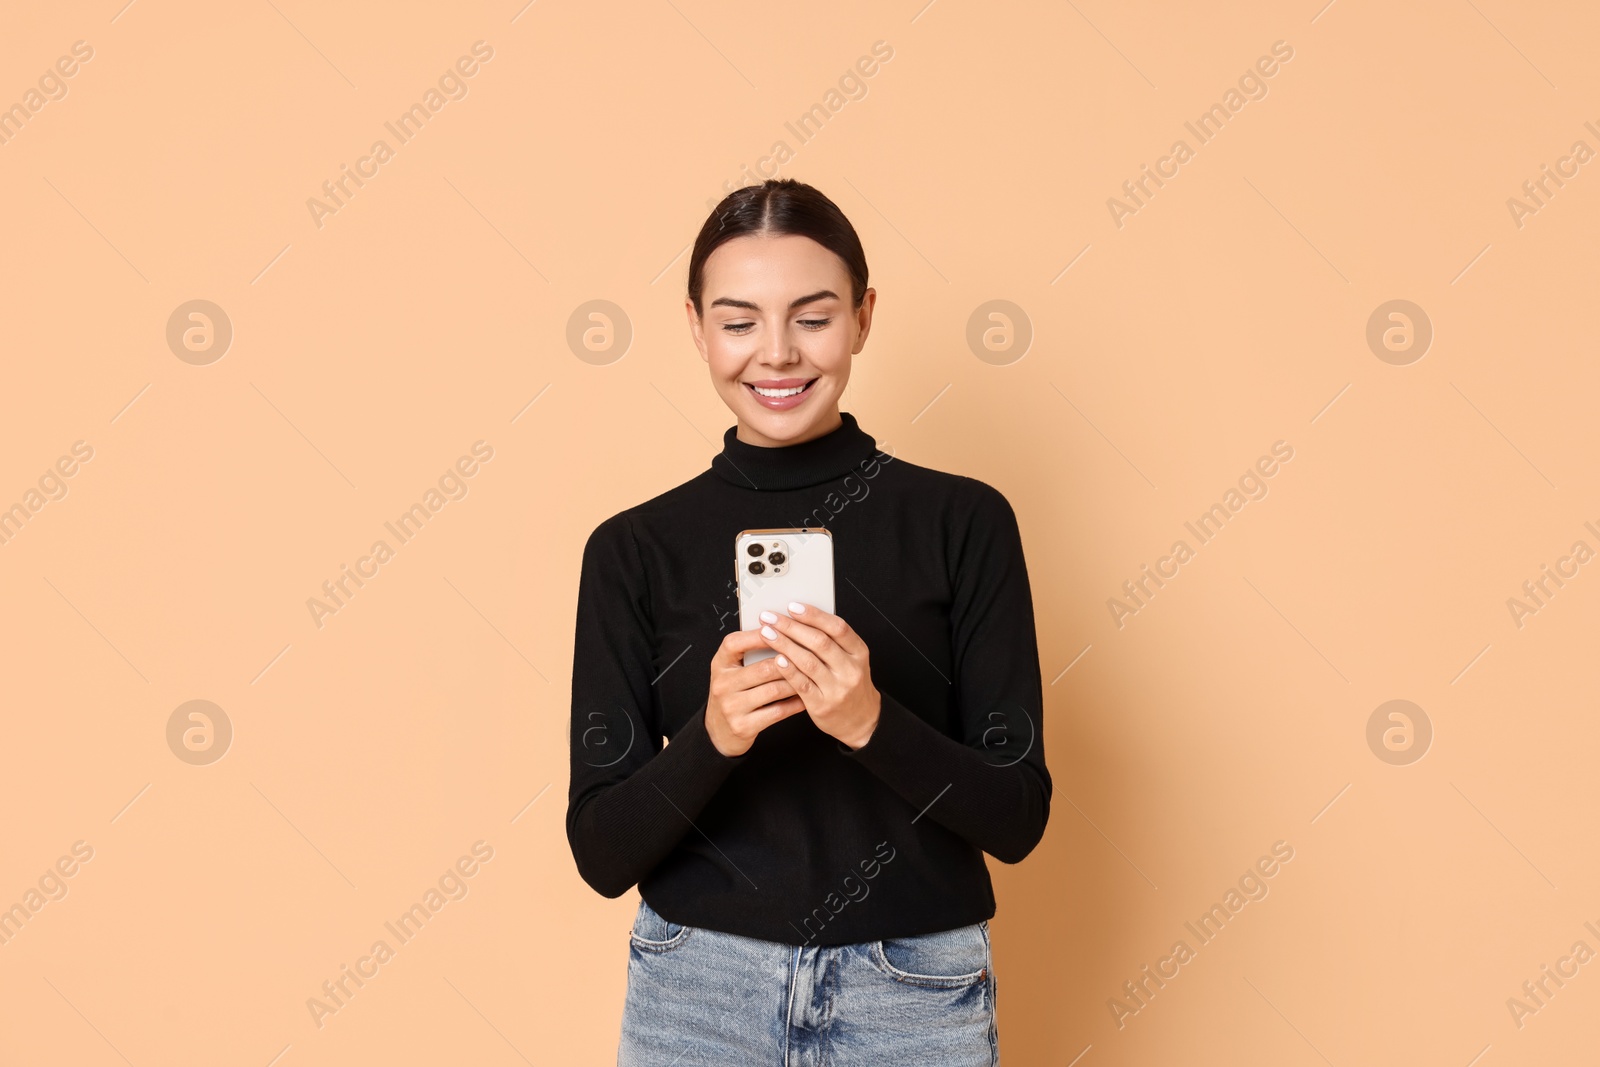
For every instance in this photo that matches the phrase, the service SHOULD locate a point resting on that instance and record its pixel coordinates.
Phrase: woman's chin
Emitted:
(788, 423)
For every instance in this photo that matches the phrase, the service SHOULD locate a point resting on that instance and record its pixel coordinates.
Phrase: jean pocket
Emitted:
(654, 933)
(948, 959)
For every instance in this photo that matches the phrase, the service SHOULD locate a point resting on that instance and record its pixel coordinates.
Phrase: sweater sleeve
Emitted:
(632, 798)
(989, 785)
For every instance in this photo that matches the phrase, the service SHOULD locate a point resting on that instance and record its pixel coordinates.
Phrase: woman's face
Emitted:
(778, 316)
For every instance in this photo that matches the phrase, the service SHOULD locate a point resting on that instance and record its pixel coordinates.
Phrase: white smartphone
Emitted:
(773, 567)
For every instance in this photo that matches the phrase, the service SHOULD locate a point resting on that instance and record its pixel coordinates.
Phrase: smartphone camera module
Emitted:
(776, 555)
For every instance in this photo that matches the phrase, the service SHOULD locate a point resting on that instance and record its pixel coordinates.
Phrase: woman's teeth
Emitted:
(780, 392)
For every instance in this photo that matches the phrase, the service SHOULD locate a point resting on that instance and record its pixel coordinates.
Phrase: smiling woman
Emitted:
(769, 347)
(871, 728)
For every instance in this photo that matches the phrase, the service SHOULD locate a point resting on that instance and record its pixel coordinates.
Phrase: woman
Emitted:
(809, 846)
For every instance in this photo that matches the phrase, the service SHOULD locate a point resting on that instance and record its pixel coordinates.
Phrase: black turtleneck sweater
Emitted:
(801, 839)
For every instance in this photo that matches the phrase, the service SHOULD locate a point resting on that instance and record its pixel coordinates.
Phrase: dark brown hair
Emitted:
(779, 206)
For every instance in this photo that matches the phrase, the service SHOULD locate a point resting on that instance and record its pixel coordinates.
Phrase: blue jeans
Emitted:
(713, 999)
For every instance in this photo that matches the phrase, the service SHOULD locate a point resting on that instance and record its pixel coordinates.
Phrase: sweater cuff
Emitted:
(894, 740)
(699, 752)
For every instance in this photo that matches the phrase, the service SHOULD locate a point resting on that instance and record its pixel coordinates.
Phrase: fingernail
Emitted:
(768, 632)
(767, 616)
(783, 661)
(798, 609)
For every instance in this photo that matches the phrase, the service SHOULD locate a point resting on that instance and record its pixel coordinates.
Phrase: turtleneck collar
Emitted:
(812, 462)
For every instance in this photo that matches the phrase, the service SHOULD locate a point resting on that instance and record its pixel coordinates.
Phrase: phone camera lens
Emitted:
(755, 548)
(758, 567)
(777, 558)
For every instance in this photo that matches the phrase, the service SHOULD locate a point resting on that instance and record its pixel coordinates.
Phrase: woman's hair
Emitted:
(779, 206)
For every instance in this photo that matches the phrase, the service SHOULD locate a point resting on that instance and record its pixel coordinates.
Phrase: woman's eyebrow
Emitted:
(820, 294)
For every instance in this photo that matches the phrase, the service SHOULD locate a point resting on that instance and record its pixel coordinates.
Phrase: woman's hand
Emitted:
(742, 700)
(826, 663)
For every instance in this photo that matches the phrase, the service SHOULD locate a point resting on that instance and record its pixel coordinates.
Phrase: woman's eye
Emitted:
(745, 327)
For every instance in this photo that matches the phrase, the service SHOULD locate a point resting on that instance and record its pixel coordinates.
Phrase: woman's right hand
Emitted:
(743, 701)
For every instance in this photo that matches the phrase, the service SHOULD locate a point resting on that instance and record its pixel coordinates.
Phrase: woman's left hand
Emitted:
(825, 662)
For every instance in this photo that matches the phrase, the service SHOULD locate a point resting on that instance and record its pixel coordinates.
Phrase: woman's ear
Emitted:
(864, 319)
(695, 329)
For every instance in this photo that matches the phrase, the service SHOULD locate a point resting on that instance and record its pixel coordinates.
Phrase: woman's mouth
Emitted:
(781, 397)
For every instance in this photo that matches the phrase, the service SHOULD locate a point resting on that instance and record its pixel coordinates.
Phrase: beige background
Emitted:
(431, 311)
